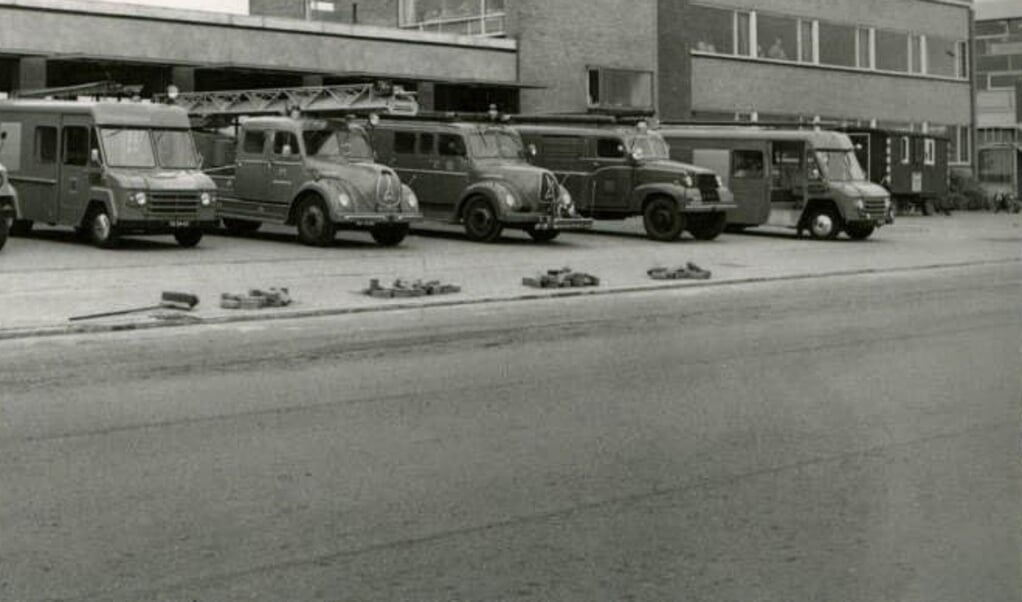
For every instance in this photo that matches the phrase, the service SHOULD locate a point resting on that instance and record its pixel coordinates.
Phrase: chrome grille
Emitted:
(388, 190)
(707, 185)
(173, 204)
(875, 208)
(549, 190)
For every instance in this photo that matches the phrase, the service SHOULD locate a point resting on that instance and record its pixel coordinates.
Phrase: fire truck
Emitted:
(295, 156)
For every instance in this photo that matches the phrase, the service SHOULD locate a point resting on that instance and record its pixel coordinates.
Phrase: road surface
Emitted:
(845, 438)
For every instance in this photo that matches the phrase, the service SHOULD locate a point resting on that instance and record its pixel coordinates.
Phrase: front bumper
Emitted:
(709, 207)
(162, 226)
(373, 219)
(545, 221)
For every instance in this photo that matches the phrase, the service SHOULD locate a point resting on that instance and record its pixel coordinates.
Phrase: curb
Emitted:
(71, 329)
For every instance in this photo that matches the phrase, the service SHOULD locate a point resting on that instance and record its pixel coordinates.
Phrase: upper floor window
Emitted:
(777, 37)
(470, 17)
(620, 88)
(715, 29)
(837, 44)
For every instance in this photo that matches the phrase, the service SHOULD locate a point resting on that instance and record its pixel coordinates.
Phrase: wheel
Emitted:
(542, 235)
(4, 228)
(859, 231)
(389, 235)
(314, 225)
(20, 227)
(188, 238)
(823, 223)
(707, 226)
(240, 226)
(481, 222)
(100, 228)
(662, 219)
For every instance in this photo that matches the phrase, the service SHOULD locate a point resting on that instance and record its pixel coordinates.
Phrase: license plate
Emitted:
(179, 223)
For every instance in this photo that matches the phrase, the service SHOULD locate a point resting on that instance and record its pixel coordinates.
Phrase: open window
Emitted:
(930, 151)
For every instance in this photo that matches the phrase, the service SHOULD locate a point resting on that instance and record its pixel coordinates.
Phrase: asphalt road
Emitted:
(846, 439)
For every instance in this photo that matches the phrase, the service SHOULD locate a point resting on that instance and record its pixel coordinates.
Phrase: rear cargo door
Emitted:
(73, 190)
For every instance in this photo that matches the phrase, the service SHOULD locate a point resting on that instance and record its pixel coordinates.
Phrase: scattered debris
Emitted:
(689, 271)
(561, 278)
(257, 299)
(407, 288)
(168, 300)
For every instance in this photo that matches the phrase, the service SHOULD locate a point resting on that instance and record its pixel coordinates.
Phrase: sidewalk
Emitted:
(46, 279)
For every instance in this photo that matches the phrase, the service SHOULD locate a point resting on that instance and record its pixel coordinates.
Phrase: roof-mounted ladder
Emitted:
(343, 99)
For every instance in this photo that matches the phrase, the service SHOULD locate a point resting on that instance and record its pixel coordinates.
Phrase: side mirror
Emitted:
(94, 156)
(531, 151)
(814, 173)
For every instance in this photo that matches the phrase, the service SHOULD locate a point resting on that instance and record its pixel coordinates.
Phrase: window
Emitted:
(404, 143)
(991, 28)
(46, 144)
(993, 63)
(891, 50)
(450, 145)
(746, 164)
(807, 42)
(779, 35)
(906, 150)
(714, 27)
(76, 145)
(941, 56)
(930, 151)
(864, 48)
(255, 142)
(282, 139)
(610, 148)
(917, 60)
(837, 44)
(426, 144)
(1003, 81)
(960, 144)
(619, 88)
(743, 34)
(472, 17)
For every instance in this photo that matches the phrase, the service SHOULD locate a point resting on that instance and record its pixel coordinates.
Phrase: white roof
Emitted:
(988, 10)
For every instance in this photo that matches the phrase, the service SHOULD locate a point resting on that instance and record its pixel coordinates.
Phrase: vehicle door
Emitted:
(561, 154)
(788, 170)
(74, 188)
(863, 152)
(410, 154)
(452, 165)
(749, 180)
(613, 173)
(252, 177)
(39, 191)
(286, 167)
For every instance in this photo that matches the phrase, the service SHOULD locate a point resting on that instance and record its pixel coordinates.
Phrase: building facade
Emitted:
(998, 49)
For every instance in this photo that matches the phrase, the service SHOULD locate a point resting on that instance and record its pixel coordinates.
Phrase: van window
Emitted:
(255, 142)
(930, 152)
(282, 139)
(76, 145)
(561, 147)
(747, 164)
(426, 144)
(404, 143)
(450, 145)
(46, 144)
(906, 150)
(610, 148)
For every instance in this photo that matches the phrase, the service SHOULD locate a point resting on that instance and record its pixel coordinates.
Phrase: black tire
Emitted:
(542, 235)
(4, 228)
(99, 228)
(707, 226)
(823, 223)
(482, 223)
(20, 227)
(314, 225)
(859, 231)
(662, 219)
(389, 235)
(188, 238)
(240, 226)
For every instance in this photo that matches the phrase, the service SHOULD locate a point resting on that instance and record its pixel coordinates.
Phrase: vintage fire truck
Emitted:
(293, 156)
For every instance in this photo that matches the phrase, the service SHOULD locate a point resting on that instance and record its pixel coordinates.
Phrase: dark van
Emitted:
(476, 174)
(616, 173)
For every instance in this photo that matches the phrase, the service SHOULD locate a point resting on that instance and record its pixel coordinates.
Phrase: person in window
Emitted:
(777, 50)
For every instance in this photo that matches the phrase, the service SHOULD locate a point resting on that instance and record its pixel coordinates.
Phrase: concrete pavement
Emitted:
(48, 277)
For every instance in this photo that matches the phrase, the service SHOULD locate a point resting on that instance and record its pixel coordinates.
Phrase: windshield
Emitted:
(127, 147)
(649, 147)
(495, 143)
(840, 166)
(175, 149)
(331, 143)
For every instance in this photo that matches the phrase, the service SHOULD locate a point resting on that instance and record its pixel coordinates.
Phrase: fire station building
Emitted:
(893, 63)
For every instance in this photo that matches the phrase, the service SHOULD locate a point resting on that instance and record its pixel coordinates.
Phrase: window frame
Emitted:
(905, 148)
(253, 132)
(64, 155)
(39, 158)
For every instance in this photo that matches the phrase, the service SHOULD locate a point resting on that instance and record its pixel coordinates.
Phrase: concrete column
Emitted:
(183, 78)
(31, 73)
(312, 80)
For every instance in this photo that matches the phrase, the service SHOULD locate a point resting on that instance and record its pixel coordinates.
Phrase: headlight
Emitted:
(344, 199)
(564, 200)
(860, 205)
(887, 203)
(138, 198)
(410, 198)
(206, 199)
(720, 183)
(687, 182)
(506, 196)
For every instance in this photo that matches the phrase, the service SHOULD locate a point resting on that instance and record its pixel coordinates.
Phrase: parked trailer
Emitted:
(912, 166)
(106, 169)
(807, 180)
